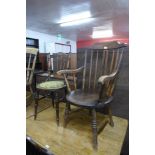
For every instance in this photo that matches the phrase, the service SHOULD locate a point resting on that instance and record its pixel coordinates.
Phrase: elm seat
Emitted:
(87, 100)
(48, 85)
(81, 98)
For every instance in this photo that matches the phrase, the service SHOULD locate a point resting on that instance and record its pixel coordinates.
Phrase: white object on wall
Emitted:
(47, 42)
(62, 48)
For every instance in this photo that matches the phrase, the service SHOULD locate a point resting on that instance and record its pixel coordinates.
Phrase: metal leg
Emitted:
(94, 129)
(36, 104)
(110, 116)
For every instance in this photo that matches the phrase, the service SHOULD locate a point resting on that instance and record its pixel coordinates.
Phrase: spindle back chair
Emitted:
(95, 83)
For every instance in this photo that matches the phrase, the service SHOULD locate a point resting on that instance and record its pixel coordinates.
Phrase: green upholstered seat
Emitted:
(51, 85)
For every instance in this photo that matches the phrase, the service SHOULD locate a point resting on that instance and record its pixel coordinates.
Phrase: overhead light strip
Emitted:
(76, 19)
(102, 34)
(78, 22)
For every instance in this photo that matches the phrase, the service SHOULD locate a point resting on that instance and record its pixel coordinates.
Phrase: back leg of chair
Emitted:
(36, 104)
(31, 90)
(90, 112)
(94, 129)
(67, 109)
(111, 122)
(30, 98)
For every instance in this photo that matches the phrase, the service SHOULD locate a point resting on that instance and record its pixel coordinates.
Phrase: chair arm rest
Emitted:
(70, 71)
(104, 78)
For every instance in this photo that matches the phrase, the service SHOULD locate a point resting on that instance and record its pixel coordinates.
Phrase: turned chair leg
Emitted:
(52, 97)
(31, 90)
(110, 116)
(57, 108)
(94, 129)
(36, 105)
(67, 109)
(31, 97)
(90, 112)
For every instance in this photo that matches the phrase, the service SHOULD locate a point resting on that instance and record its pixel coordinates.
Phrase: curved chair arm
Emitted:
(105, 78)
(70, 71)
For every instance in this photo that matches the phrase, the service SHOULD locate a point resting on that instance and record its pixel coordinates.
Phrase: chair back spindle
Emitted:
(61, 61)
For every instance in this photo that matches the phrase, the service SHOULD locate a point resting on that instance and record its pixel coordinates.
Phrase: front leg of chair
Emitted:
(36, 104)
(90, 112)
(57, 108)
(94, 129)
(67, 109)
(111, 122)
(52, 97)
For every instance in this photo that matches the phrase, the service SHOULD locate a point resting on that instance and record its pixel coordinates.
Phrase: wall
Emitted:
(47, 42)
(87, 43)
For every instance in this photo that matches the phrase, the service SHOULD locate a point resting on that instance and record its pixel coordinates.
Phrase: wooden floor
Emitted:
(76, 138)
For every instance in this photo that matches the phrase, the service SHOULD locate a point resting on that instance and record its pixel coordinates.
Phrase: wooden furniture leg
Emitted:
(57, 108)
(111, 122)
(67, 109)
(52, 97)
(94, 129)
(36, 105)
(90, 112)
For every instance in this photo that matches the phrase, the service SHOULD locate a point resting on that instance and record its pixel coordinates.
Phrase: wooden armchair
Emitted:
(95, 83)
(31, 55)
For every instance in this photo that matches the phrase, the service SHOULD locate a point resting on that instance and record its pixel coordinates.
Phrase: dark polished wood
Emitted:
(95, 82)
(94, 128)
(36, 104)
